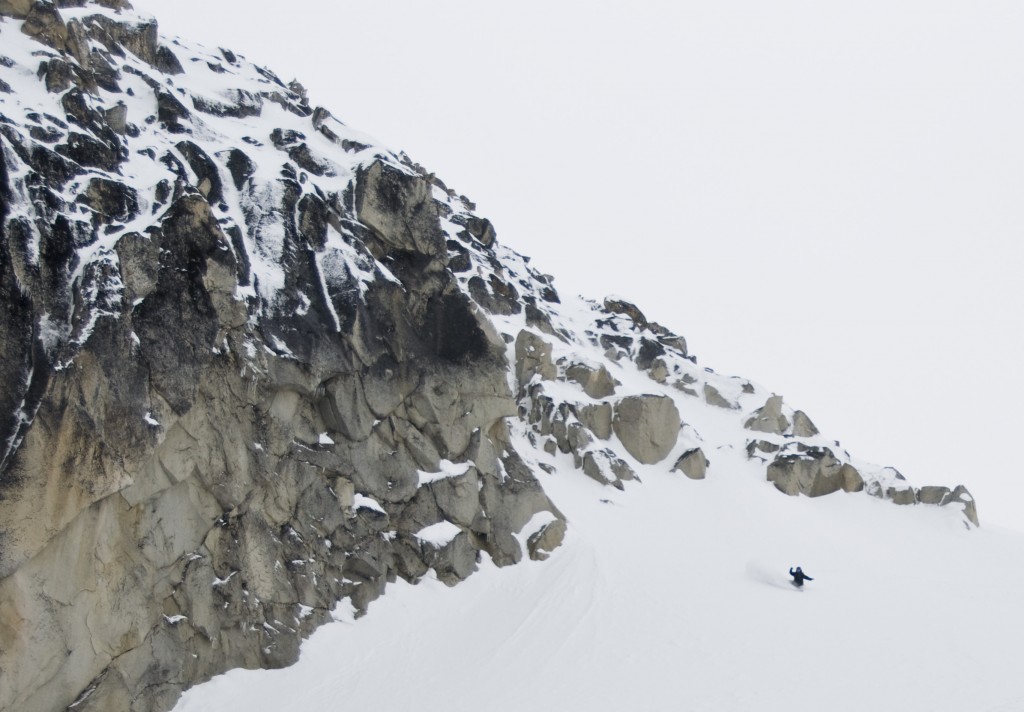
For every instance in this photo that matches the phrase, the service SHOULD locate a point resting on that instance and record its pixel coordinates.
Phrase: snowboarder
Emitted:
(799, 577)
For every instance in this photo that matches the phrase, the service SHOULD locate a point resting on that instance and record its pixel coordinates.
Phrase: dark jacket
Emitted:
(799, 576)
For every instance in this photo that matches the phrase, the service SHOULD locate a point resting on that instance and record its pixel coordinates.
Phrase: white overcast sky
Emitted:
(824, 197)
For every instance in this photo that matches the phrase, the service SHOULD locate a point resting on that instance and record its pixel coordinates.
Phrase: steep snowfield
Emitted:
(673, 595)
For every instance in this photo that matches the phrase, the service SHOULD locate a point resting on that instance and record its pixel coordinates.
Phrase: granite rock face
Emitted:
(229, 400)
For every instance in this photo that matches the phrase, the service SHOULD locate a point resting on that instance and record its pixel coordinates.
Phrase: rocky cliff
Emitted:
(253, 365)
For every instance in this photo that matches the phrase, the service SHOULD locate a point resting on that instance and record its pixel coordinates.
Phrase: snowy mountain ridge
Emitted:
(255, 364)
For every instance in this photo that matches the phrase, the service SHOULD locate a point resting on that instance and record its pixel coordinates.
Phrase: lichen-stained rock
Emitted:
(648, 426)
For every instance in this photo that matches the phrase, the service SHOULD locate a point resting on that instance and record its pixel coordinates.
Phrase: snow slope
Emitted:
(673, 594)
